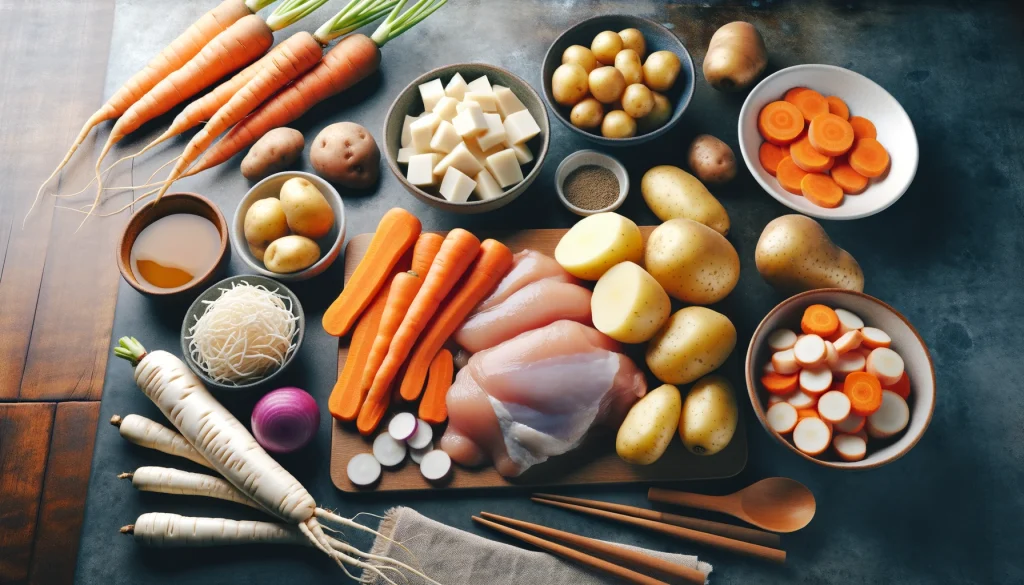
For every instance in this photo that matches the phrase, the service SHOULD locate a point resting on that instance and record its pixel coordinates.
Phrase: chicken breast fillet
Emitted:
(528, 267)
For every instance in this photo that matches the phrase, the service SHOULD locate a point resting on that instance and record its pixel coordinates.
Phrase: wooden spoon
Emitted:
(778, 504)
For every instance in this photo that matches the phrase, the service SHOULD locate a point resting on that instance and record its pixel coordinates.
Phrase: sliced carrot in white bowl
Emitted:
(812, 436)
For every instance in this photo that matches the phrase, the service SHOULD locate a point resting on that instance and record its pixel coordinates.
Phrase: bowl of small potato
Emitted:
(618, 80)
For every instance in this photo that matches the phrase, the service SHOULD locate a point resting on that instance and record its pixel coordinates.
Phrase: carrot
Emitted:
(821, 190)
(862, 128)
(869, 158)
(426, 249)
(434, 407)
(849, 180)
(347, 396)
(770, 156)
(838, 107)
(819, 320)
(780, 123)
(395, 234)
(810, 103)
(901, 387)
(807, 158)
(780, 384)
(807, 413)
(403, 289)
(830, 135)
(790, 175)
(864, 392)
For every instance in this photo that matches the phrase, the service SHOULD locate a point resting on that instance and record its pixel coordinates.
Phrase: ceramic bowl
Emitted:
(865, 98)
(591, 157)
(330, 245)
(170, 204)
(199, 306)
(658, 38)
(905, 340)
(409, 103)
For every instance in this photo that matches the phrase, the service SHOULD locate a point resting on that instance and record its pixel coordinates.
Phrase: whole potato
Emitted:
(672, 193)
(637, 100)
(694, 342)
(649, 426)
(291, 254)
(598, 242)
(265, 221)
(660, 114)
(273, 152)
(345, 153)
(257, 251)
(307, 210)
(634, 39)
(618, 124)
(709, 416)
(580, 55)
(587, 114)
(712, 160)
(606, 84)
(661, 70)
(605, 46)
(693, 262)
(795, 254)
(569, 84)
(628, 63)
(736, 57)
(628, 304)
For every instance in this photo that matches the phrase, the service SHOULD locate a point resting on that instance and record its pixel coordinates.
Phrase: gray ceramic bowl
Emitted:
(330, 245)
(658, 38)
(408, 103)
(198, 307)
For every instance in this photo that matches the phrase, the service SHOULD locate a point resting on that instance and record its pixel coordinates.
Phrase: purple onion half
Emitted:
(285, 419)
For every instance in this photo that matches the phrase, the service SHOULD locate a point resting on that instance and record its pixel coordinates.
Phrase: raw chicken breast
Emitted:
(537, 396)
(528, 267)
(535, 305)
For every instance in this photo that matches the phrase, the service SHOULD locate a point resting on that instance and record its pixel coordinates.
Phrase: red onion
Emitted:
(285, 420)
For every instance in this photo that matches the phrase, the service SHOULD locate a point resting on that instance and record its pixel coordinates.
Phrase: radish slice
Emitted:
(812, 436)
(809, 351)
(435, 465)
(874, 337)
(831, 355)
(862, 434)
(850, 447)
(402, 426)
(815, 381)
(849, 341)
(849, 363)
(781, 417)
(890, 418)
(801, 399)
(363, 469)
(781, 339)
(886, 365)
(768, 368)
(422, 437)
(417, 454)
(785, 362)
(834, 407)
(851, 425)
(848, 321)
(387, 450)
(775, 398)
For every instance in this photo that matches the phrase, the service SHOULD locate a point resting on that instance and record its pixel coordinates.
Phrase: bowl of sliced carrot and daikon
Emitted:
(841, 378)
(828, 142)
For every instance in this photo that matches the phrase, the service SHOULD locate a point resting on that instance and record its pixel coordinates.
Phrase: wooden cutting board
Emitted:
(593, 463)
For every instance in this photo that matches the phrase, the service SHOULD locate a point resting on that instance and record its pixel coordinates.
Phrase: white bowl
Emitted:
(330, 245)
(591, 157)
(865, 98)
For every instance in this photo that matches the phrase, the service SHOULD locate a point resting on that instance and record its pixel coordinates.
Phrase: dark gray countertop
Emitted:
(949, 255)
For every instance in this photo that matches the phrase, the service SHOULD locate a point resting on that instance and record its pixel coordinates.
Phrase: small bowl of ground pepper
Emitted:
(590, 182)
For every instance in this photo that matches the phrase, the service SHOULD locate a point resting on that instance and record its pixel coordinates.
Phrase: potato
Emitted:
(291, 254)
(736, 57)
(606, 84)
(693, 262)
(649, 426)
(709, 416)
(673, 193)
(598, 242)
(637, 100)
(308, 212)
(264, 222)
(587, 114)
(795, 254)
(618, 124)
(257, 251)
(628, 305)
(661, 70)
(660, 114)
(693, 342)
(346, 154)
(634, 40)
(581, 56)
(273, 152)
(712, 160)
(569, 84)
(628, 64)
(605, 46)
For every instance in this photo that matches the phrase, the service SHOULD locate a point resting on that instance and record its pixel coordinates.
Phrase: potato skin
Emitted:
(795, 254)
(693, 262)
(291, 254)
(346, 154)
(673, 193)
(273, 152)
(308, 212)
(265, 221)
(712, 160)
(649, 426)
(736, 57)
(709, 416)
(695, 341)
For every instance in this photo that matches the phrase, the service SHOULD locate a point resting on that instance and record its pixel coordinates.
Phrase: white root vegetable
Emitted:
(363, 469)
(387, 450)
(422, 438)
(436, 465)
(402, 426)
(153, 435)
(165, 480)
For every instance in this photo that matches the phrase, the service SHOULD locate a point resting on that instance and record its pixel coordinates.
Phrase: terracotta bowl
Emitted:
(905, 340)
(171, 204)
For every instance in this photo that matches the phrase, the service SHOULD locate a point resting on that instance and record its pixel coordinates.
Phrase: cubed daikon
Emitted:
(445, 138)
(456, 88)
(445, 108)
(471, 121)
(480, 84)
(522, 153)
(508, 103)
(520, 127)
(422, 130)
(431, 92)
(456, 186)
(406, 133)
(405, 153)
(421, 169)
(481, 155)
(487, 101)
(504, 167)
(486, 187)
(460, 158)
(495, 134)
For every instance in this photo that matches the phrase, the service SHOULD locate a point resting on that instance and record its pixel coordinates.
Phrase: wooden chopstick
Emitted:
(627, 575)
(615, 551)
(730, 544)
(753, 535)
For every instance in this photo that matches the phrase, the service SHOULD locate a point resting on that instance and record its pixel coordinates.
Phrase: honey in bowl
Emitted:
(175, 250)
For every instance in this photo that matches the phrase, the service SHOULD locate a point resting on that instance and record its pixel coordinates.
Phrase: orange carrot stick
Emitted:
(434, 406)
(869, 158)
(770, 155)
(819, 320)
(810, 103)
(864, 392)
(821, 190)
(830, 135)
(862, 128)
(780, 384)
(849, 180)
(838, 107)
(807, 158)
(780, 123)
(789, 175)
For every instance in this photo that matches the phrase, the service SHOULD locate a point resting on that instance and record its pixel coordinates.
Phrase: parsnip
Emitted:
(165, 480)
(153, 435)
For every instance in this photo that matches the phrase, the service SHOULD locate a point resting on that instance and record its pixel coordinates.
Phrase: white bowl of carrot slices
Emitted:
(841, 378)
(828, 142)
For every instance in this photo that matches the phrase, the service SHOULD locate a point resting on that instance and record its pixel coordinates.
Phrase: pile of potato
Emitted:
(280, 231)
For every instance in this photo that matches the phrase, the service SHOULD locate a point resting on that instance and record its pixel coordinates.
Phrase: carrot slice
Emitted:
(849, 180)
(810, 103)
(819, 320)
(790, 175)
(770, 156)
(830, 135)
(807, 158)
(434, 407)
(862, 128)
(902, 387)
(821, 190)
(869, 158)
(838, 107)
(812, 412)
(780, 384)
(864, 392)
(780, 122)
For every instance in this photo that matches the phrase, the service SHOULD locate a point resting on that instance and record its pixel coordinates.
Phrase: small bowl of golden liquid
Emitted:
(174, 245)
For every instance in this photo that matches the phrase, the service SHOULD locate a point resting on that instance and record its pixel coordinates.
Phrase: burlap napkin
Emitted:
(455, 557)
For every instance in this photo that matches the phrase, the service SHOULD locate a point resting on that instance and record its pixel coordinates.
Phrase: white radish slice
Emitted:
(849, 363)
(768, 368)
(874, 337)
(886, 365)
(387, 450)
(815, 381)
(852, 424)
(834, 407)
(801, 399)
(848, 321)
(781, 417)
(785, 362)
(363, 469)
(850, 447)
(862, 434)
(422, 437)
(435, 465)
(775, 399)
(402, 426)
(831, 355)
(890, 418)
(417, 454)
(812, 436)
(781, 339)
(849, 341)
(809, 350)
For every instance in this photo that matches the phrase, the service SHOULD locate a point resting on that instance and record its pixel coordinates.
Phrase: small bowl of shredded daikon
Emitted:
(242, 332)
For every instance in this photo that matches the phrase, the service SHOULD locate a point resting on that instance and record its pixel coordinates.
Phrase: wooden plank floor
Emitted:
(58, 288)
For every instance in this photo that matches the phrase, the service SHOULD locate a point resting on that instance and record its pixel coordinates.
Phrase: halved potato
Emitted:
(598, 242)
(628, 305)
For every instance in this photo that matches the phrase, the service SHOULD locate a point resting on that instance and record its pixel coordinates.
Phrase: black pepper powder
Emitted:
(591, 187)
